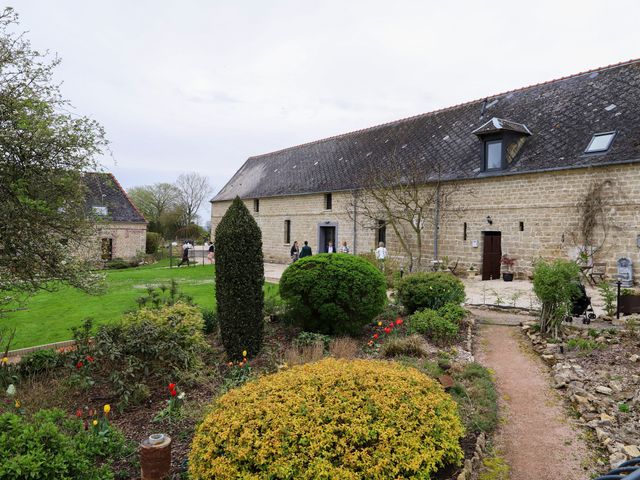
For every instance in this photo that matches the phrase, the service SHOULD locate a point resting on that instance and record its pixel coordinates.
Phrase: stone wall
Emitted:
(545, 203)
(128, 240)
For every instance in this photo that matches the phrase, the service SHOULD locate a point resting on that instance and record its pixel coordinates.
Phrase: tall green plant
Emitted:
(239, 281)
(556, 285)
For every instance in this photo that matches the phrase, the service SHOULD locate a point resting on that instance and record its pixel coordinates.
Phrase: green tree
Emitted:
(43, 152)
(239, 281)
(556, 285)
(155, 202)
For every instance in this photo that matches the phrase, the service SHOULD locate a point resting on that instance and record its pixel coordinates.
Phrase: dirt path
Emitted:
(536, 438)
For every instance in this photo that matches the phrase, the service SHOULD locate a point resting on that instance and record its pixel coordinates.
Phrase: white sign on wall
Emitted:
(474, 243)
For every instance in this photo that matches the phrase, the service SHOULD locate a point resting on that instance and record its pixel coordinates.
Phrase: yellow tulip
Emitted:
(244, 353)
(17, 403)
(379, 324)
(5, 360)
(107, 408)
(95, 422)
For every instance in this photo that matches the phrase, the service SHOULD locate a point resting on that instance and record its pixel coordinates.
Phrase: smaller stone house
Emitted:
(121, 229)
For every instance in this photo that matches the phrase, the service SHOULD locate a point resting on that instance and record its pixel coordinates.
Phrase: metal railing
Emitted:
(627, 471)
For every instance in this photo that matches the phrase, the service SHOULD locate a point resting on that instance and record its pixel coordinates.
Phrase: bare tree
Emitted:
(409, 196)
(193, 188)
(155, 200)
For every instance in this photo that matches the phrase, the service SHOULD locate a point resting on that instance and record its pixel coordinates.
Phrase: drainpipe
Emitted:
(355, 223)
(436, 223)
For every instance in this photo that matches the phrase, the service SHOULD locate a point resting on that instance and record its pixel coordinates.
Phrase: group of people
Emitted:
(188, 245)
(297, 252)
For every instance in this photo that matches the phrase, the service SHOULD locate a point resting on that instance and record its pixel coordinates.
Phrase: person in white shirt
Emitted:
(381, 255)
(331, 248)
(344, 248)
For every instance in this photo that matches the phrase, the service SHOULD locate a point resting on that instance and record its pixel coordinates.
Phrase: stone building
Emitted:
(522, 168)
(120, 227)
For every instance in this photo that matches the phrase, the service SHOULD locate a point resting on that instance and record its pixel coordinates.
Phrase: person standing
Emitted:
(344, 248)
(331, 248)
(381, 255)
(295, 251)
(185, 253)
(306, 250)
(212, 253)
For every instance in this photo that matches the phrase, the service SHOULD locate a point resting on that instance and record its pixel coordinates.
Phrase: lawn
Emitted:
(50, 315)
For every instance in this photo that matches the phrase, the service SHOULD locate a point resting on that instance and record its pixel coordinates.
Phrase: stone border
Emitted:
(471, 467)
(23, 351)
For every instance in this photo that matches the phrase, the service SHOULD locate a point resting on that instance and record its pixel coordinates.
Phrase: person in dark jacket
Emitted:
(295, 251)
(306, 250)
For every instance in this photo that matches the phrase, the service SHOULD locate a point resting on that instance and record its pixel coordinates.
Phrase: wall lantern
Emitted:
(489, 220)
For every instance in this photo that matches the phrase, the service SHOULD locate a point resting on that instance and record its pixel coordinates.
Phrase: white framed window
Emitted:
(600, 142)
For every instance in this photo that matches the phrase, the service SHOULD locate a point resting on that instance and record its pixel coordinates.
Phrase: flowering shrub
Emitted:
(430, 290)
(333, 293)
(330, 419)
(52, 445)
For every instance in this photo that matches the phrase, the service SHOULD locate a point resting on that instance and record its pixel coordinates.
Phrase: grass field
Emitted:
(50, 315)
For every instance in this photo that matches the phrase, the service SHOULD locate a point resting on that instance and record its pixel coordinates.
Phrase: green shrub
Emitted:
(430, 290)
(390, 313)
(333, 293)
(412, 346)
(116, 264)
(40, 361)
(210, 317)
(239, 281)
(556, 285)
(453, 312)
(148, 347)
(308, 339)
(50, 446)
(332, 419)
(583, 345)
(477, 397)
(152, 242)
(609, 297)
(432, 324)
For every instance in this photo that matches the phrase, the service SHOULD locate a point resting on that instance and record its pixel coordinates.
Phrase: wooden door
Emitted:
(491, 255)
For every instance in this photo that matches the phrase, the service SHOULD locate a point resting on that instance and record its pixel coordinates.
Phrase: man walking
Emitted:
(305, 251)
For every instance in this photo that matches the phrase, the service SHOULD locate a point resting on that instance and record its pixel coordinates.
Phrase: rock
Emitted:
(606, 419)
(631, 450)
(604, 390)
(446, 381)
(615, 459)
(634, 358)
(601, 434)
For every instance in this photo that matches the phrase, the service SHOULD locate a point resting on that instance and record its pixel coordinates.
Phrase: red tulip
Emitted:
(375, 335)
(79, 365)
(173, 393)
(79, 413)
(387, 330)
(89, 358)
(172, 386)
(399, 321)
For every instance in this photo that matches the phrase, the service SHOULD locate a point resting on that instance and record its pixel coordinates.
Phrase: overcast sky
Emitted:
(202, 85)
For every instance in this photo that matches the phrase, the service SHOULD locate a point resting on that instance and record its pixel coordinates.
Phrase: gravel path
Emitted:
(536, 438)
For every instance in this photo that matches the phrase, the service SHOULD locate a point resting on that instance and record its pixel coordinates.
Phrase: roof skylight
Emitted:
(600, 142)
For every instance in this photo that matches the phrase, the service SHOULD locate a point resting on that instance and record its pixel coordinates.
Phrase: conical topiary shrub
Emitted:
(239, 281)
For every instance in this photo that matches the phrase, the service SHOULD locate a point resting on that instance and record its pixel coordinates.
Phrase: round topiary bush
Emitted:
(333, 293)
(362, 419)
(430, 290)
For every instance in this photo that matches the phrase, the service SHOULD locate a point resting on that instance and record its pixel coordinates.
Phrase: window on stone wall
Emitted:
(106, 247)
(464, 231)
(287, 231)
(382, 232)
(521, 226)
(328, 201)
(256, 205)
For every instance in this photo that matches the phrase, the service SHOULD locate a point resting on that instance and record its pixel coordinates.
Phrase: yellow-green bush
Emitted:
(183, 318)
(333, 419)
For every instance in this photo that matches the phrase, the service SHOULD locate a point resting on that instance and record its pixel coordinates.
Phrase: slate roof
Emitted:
(562, 115)
(103, 190)
(496, 125)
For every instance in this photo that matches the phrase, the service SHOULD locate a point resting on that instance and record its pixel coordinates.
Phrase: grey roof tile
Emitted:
(562, 115)
(103, 190)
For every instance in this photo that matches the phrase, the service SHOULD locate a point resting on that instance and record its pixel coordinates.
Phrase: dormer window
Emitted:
(600, 142)
(493, 154)
(101, 211)
(501, 142)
